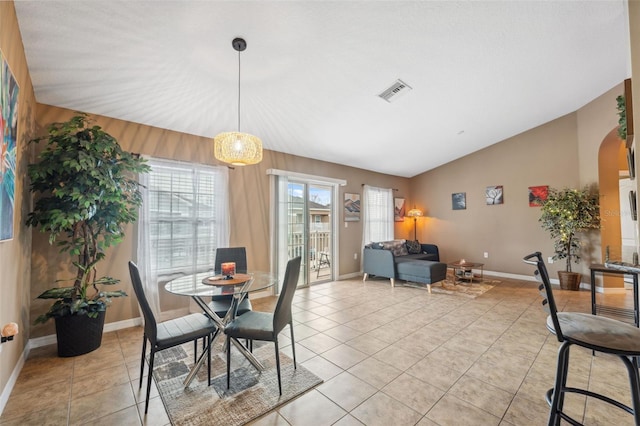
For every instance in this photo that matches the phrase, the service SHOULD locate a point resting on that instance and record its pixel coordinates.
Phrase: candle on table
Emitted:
(228, 268)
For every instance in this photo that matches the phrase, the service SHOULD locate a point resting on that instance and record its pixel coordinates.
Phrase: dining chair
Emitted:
(596, 333)
(266, 326)
(170, 333)
(221, 304)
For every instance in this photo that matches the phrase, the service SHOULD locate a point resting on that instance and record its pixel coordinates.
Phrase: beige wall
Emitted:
(15, 254)
(249, 207)
(562, 153)
(545, 155)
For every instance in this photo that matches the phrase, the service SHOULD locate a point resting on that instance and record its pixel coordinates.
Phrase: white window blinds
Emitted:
(184, 218)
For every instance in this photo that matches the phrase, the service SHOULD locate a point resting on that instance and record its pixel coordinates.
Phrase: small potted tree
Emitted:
(86, 191)
(565, 214)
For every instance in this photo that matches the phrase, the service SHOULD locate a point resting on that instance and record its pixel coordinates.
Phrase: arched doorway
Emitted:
(613, 170)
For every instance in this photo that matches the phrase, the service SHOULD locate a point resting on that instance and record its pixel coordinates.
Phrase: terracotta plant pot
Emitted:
(569, 280)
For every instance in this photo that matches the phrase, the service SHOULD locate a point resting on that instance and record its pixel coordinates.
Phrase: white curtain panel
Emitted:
(183, 219)
(377, 214)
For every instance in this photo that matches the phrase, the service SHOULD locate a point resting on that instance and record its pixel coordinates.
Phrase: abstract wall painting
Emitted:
(351, 207)
(459, 201)
(538, 195)
(399, 209)
(8, 134)
(494, 195)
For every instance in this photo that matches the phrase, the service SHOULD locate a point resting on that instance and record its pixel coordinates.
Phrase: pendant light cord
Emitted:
(238, 91)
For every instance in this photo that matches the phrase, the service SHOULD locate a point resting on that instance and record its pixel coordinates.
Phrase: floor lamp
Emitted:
(415, 214)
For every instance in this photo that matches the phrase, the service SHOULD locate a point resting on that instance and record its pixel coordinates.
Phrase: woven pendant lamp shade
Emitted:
(238, 149)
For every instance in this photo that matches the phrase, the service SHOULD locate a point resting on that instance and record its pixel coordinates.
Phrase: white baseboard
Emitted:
(112, 326)
(350, 276)
(8, 388)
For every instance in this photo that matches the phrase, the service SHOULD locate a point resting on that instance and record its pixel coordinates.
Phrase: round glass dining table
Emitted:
(207, 285)
(199, 286)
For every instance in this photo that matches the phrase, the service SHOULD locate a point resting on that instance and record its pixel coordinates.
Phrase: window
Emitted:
(377, 212)
(183, 219)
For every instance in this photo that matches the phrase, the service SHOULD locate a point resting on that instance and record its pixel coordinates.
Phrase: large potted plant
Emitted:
(86, 192)
(565, 214)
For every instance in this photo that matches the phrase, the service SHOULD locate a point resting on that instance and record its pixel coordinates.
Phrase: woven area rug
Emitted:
(252, 393)
(465, 289)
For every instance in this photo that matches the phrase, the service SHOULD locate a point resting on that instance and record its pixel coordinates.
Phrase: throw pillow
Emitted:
(397, 247)
(413, 247)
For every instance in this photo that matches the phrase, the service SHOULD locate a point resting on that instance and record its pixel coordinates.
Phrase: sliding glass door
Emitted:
(304, 226)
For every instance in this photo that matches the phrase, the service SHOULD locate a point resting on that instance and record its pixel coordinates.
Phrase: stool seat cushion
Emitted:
(599, 333)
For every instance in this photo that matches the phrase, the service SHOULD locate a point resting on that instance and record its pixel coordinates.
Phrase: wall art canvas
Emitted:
(398, 209)
(459, 201)
(8, 150)
(494, 195)
(351, 207)
(537, 195)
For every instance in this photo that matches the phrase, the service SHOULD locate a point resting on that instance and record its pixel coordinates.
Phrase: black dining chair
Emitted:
(221, 304)
(170, 333)
(597, 333)
(265, 326)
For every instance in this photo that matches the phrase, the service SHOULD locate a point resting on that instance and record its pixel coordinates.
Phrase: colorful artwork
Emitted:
(398, 209)
(459, 201)
(8, 128)
(351, 207)
(537, 195)
(494, 195)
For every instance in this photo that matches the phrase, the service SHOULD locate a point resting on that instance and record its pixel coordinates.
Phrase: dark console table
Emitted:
(620, 269)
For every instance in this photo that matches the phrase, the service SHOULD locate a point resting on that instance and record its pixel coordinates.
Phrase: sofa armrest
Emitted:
(378, 262)
(431, 249)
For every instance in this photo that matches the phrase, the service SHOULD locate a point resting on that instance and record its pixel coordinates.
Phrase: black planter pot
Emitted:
(79, 334)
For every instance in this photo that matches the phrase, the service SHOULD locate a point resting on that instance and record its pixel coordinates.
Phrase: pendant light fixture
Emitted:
(236, 148)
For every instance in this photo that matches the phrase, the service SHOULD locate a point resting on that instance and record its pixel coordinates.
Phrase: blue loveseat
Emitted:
(403, 260)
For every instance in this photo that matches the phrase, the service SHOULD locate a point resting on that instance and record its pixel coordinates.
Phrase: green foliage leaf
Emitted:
(86, 192)
(566, 213)
(622, 117)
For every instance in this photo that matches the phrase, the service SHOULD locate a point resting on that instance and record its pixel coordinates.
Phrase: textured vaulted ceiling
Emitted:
(481, 71)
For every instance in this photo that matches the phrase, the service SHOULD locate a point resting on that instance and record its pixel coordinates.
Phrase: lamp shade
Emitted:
(238, 149)
(415, 213)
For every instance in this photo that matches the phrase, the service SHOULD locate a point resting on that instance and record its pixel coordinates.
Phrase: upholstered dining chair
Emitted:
(596, 333)
(266, 326)
(170, 333)
(221, 304)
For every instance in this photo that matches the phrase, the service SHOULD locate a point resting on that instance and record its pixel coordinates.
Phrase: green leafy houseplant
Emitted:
(565, 213)
(622, 117)
(86, 191)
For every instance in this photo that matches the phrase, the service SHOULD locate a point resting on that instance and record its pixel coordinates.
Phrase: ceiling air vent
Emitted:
(398, 88)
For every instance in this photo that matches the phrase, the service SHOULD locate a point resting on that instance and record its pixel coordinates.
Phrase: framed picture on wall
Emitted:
(351, 207)
(398, 209)
(459, 201)
(537, 195)
(8, 148)
(494, 195)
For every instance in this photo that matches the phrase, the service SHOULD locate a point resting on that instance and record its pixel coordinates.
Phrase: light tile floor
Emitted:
(387, 357)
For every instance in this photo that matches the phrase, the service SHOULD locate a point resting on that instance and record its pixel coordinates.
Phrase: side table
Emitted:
(463, 270)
